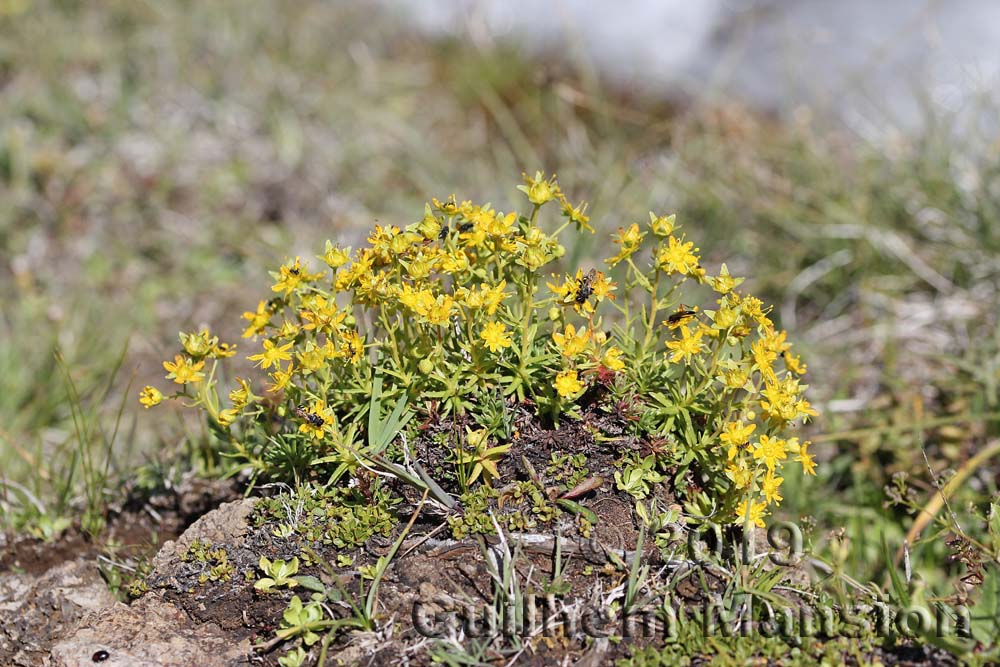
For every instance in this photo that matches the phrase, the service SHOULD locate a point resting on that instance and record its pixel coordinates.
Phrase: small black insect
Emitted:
(295, 270)
(465, 226)
(443, 234)
(311, 418)
(586, 286)
(100, 656)
(681, 315)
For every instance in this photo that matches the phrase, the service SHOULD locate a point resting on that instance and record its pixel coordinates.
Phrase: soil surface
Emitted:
(47, 588)
(203, 543)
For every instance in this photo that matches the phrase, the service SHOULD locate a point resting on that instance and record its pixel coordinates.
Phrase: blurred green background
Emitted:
(156, 159)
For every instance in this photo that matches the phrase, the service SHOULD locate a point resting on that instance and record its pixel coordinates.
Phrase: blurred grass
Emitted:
(157, 159)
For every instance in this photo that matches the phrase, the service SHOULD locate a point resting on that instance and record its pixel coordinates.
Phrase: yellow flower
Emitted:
(578, 216)
(352, 346)
(288, 329)
(804, 409)
(364, 264)
(335, 257)
(316, 422)
(734, 378)
(312, 359)
(534, 258)
(420, 266)
(754, 308)
(198, 344)
(764, 357)
(567, 384)
(538, 189)
(440, 310)
(771, 488)
(424, 303)
(281, 379)
(223, 351)
(806, 459)
(688, 346)
(736, 434)
(678, 257)
(782, 400)
(613, 359)
(488, 298)
(564, 290)
(629, 239)
(184, 370)
(602, 287)
(321, 314)
(429, 227)
(536, 238)
(494, 296)
(770, 449)
(662, 225)
(150, 396)
(382, 242)
(473, 236)
(497, 224)
(290, 276)
(375, 288)
(258, 320)
(416, 300)
(495, 335)
(448, 206)
(725, 318)
(775, 341)
(455, 261)
(794, 364)
(272, 354)
(755, 515)
(740, 473)
(580, 289)
(724, 283)
(240, 397)
(571, 343)
(228, 416)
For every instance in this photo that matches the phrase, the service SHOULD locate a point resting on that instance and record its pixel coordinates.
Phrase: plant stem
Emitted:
(931, 509)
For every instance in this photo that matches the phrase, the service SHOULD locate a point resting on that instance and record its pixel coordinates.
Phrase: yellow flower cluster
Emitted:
(729, 365)
(449, 308)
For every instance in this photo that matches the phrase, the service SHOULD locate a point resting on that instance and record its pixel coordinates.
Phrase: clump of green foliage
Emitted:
(335, 516)
(125, 576)
(525, 505)
(463, 305)
(214, 562)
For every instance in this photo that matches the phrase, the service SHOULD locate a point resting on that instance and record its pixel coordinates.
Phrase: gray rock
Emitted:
(36, 610)
(150, 633)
